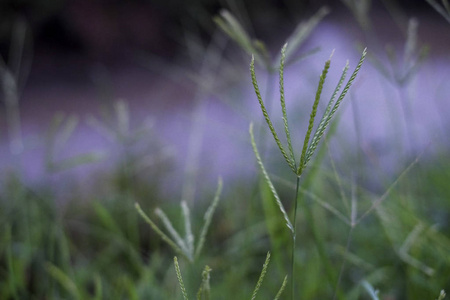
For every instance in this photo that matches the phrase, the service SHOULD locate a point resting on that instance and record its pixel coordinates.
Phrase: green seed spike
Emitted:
(266, 116)
(321, 129)
(441, 295)
(283, 286)
(323, 122)
(180, 278)
(208, 217)
(204, 290)
(313, 116)
(283, 105)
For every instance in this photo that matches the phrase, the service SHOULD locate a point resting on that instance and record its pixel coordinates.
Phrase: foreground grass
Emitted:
(102, 249)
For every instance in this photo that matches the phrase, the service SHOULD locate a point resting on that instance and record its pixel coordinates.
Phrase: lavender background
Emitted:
(153, 75)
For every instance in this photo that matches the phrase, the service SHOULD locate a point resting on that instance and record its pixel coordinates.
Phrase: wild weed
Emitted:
(204, 290)
(184, 246)
(309, 145)
(443, 9)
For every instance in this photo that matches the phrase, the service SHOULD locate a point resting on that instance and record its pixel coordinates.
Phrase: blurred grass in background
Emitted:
(94, 244)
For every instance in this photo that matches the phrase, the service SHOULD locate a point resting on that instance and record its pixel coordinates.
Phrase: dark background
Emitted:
(107, 30)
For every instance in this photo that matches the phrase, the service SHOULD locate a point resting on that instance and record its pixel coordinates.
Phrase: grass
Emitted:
(318, 231)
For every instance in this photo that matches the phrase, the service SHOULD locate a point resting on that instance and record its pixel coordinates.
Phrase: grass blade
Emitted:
(66, 282)
(302, 31)
(440, 10)
(204, 290)
(208, 217)
(163, 236)
(378, 201)
(168, 224)
(231, 26)
(370, 289)
(441, 295)
(189, 238)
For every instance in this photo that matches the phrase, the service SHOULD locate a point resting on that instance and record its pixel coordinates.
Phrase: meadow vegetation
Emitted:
(307, 225)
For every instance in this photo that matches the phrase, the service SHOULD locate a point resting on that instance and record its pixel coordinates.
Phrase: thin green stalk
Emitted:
(294, 234)
(329, 271)
(341, 271)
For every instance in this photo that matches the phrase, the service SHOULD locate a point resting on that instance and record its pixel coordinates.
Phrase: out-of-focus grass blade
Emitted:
(443, 12)
(163, 236)
(370, 290)
(283, 285)
(75, 161)
(204, 290)
(169, 227)
(231, 26)
(261, 277)
(66, 282)
(302, 32)
(208, 217)
(189, 237)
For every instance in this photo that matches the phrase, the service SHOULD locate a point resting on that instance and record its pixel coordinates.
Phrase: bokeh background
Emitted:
(79, 56)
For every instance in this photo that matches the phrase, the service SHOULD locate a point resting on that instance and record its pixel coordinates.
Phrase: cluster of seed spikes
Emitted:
(308, 148)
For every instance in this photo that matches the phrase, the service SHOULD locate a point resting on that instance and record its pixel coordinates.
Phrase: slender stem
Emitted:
(294, 236)
(341, 271)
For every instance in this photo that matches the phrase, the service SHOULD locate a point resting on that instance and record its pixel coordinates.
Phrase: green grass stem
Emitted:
(208, 217)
